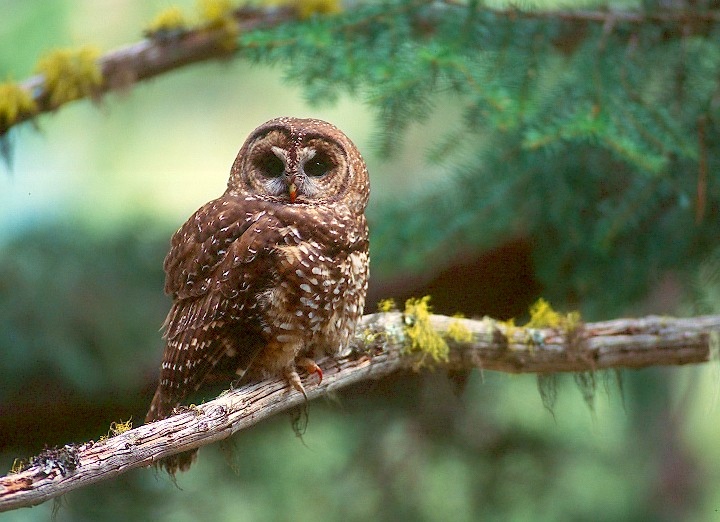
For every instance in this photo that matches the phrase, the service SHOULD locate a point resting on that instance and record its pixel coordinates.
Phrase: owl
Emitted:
(274, 272)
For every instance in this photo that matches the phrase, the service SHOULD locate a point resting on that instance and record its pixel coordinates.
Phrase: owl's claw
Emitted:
(293, 379)
(311, 366)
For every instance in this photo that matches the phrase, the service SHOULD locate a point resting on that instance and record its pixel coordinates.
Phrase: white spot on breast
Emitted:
(309, 302)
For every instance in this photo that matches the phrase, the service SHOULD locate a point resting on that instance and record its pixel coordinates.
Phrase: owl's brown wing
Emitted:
(220, 260)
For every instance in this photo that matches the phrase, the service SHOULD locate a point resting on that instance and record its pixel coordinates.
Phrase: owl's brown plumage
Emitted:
(274, 271)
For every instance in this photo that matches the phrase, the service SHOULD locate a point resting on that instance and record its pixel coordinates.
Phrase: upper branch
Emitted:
(156, 55)
(153, 56)
(383, 348)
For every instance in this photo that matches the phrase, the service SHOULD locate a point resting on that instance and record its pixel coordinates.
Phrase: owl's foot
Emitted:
(310, 366)
(292, 377)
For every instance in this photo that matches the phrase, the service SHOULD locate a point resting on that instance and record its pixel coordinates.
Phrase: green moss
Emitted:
(542, 315)
(117, 428)
(387, 305)
(168, 20)
(217, 15)
(307, 8)
(419, 333)
(214, 10)
(18, 465)
(458, 332)
(14, 101)
(70, 74)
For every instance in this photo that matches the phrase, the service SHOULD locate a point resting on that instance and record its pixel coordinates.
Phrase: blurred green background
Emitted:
(86, 212)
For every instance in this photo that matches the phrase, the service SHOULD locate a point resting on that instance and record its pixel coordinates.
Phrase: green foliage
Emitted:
(582, 137)
(81, 310)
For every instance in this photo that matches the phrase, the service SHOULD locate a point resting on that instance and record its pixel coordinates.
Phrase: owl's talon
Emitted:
(293, 379)
(311, 366)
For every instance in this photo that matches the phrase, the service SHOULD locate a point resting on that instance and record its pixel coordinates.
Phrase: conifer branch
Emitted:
(384, 341)
(165, 51)
(670, 17)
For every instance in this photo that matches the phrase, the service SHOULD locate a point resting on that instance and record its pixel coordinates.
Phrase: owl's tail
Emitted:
(162, 407)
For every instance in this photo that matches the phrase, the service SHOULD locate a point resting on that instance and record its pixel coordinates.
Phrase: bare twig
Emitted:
(382, 350)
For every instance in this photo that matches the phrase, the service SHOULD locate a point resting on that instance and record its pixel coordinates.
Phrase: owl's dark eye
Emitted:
(270, 165)
(318, 166)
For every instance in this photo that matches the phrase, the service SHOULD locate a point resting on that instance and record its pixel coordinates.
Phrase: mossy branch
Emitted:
(67, 75)
(166, 49)
(384, 346)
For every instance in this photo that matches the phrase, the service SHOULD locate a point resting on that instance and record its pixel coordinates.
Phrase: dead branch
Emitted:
(381, 351)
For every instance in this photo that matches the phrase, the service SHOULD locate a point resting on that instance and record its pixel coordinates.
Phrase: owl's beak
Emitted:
(292, 189)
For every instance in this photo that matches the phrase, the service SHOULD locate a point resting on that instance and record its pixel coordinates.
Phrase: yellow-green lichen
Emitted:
(170, 19)
(18, 465)
(217, 15)
(307, 8)
(542, 315)
(117, 428)
(419, 333)
(387, 305)
(70, 74)
(457, 331)
(510, 328)
(14, 101)
(368, 336)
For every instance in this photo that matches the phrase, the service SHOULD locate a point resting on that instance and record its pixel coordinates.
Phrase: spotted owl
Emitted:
(271, 274)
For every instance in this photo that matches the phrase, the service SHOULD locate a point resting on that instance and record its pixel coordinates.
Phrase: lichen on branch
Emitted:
(15, 102)
(71, 74)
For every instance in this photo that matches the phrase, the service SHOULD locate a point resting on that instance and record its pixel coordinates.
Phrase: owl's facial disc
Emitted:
(298, 175)
(294, 168)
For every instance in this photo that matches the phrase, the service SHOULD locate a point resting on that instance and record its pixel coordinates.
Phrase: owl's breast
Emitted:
(318, 294)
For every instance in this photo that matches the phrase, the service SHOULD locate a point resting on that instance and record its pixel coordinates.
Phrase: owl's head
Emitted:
(301, 161)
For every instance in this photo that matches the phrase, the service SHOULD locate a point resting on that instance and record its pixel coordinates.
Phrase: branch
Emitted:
(668, 17)
(382, 350)
(154, 56)
(151, 57)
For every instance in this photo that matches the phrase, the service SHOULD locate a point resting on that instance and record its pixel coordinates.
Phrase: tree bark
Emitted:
(382, 349)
